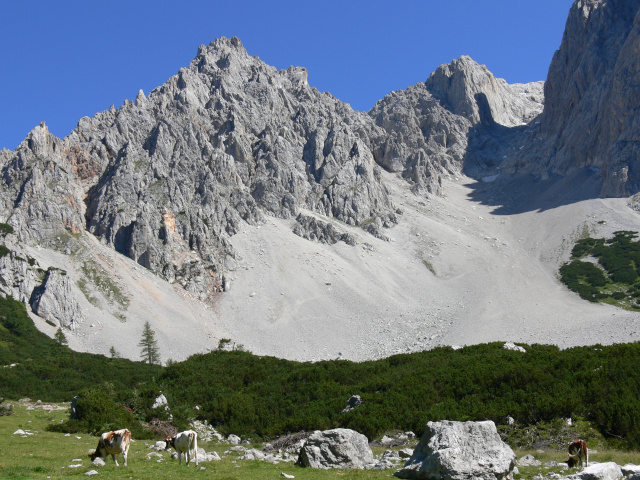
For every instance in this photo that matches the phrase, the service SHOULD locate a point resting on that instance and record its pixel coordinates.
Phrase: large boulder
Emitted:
(600, 471)
(338, 448)
(460, 451)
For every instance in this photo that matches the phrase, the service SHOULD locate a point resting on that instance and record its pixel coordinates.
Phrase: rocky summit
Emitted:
(237, 201)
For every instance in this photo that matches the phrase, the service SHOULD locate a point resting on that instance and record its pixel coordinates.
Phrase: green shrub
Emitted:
(5, 229)
(618, 271)
(97, 412)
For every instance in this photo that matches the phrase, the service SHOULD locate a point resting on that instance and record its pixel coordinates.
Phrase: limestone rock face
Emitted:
(17, 278)
(40, 195)
(458, 86)
(168, 178)
(460, 451)
(428, 126)
(224, 141)
(55, 301)
(337, 448)
(592, 97)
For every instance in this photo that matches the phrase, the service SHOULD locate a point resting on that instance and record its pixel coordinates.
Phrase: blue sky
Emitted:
(61, 60)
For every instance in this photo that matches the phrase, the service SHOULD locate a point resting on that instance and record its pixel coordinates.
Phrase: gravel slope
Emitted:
(456, 271)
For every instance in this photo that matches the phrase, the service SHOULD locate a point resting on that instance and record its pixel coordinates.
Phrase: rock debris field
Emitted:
(453, 271)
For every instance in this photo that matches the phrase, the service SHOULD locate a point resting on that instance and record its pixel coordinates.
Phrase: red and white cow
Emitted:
(578, 453)
(184, 442)
(113, 443)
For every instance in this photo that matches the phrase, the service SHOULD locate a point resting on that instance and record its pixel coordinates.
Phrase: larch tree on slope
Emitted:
(149, 345)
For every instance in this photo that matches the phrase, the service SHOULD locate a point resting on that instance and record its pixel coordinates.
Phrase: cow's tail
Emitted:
(586, 454)
(194, 443)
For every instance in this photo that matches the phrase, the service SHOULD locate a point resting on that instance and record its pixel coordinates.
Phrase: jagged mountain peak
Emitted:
(459, 84)
(232, 165)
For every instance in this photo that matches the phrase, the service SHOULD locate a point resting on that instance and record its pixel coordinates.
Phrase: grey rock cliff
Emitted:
(169, 178)
(428, 126)
(17, 278)
(592, 97)
(54, 301)
(223, 142)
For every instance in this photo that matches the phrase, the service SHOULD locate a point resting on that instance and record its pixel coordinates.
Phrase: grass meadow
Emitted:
(50, 455)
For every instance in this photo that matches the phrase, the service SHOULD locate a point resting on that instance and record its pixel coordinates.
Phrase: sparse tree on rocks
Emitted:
(113, 352)
(149, 345)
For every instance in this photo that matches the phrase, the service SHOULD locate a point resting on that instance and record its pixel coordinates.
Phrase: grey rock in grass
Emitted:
(460, 451)
(528, 461)
(338, 448)
(600, 471)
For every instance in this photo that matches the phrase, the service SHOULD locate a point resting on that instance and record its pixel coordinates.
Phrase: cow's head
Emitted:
(572, 462)
(171, 441)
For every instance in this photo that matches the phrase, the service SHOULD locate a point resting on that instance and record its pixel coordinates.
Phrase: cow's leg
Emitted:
(113, 455)
(180, 457)
(188, 456)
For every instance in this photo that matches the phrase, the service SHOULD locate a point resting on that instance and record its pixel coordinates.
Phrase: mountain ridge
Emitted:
(233, 183)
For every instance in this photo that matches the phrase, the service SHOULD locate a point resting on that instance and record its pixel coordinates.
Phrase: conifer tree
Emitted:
(149, 345)
(60, 337)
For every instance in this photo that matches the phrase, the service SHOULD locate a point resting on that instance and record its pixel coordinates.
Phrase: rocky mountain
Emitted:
(592, 99)
(428, 127)
(232, 172)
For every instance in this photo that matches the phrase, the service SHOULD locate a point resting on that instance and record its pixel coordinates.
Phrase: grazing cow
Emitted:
(113, 443)
(578, 453)
(184, 442)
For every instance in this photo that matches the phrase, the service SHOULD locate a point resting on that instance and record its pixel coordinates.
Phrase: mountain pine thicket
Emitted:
(242, 393)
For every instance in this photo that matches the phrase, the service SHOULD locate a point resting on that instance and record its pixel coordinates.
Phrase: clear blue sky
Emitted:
(61, 60)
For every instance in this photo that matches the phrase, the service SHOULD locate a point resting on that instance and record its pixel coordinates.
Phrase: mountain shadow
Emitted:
(492, 146)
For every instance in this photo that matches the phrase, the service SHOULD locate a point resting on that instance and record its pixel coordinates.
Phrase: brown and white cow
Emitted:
(184, 442)
(578, 453)
(112, 443)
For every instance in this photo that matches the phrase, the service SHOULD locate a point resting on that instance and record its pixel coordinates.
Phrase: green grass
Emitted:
(48, 455)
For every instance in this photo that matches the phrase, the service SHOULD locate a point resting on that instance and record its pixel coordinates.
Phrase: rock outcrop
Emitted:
(428, 127)
(460, 451)
(338, 448)
(55, 301)
(316, 230)
(592, 97)
(17, 278)
(168, 178)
